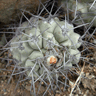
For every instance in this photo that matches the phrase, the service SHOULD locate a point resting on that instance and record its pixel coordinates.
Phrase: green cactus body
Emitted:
(43, 46)
(83, 10)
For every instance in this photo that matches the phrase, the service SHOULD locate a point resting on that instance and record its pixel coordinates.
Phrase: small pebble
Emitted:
(5, 93)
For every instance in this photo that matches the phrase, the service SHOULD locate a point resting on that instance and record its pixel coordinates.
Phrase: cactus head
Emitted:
(46, 50)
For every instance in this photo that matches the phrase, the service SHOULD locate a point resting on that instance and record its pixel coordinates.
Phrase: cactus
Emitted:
(83, 11)
(47, 48)
(44, 45)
